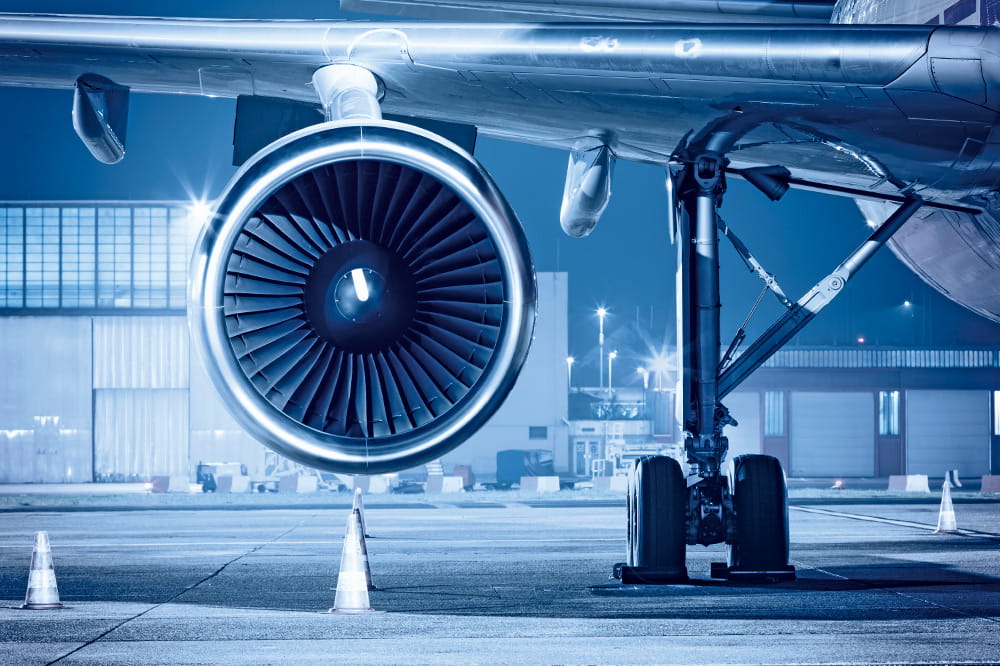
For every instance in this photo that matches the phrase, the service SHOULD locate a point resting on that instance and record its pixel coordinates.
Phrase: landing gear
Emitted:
(759, 551)
(656, 523)
(749, 512)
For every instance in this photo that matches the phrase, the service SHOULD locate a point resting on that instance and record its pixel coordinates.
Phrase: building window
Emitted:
(888, 413)
(774, 413)
(93, 257)
(538, 432)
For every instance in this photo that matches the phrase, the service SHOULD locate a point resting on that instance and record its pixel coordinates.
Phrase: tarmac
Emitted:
(490, 579)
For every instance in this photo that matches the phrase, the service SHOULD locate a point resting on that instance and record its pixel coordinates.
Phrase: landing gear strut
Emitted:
(750, 510)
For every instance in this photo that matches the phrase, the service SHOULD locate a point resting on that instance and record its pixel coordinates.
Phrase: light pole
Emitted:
(601, 314)
(645, 377)
(611, 357)
(659, 365)
(569, 371)
(645, 383)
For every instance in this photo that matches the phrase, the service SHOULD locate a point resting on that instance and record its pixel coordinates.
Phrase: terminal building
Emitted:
(100, 382)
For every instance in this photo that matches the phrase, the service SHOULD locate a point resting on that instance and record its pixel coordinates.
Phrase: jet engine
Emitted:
(362, 296)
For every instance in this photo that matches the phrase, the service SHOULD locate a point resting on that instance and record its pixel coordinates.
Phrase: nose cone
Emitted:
(359, 295)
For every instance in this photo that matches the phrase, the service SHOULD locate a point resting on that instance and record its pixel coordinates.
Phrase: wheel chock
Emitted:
(648, 576)
(776, 575)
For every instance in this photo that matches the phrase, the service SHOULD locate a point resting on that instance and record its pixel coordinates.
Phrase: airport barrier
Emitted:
(169, 484)
(298, 483)
(990, 484)
(444, 484)
(914, 483)
(616, 484)
(468, 477)
(540, 484)
(230, 483)
(373, 485)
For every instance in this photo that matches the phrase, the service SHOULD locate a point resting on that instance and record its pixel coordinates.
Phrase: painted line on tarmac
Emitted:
(892, 521)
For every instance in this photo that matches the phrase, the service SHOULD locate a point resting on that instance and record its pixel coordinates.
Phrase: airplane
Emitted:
(362, 294)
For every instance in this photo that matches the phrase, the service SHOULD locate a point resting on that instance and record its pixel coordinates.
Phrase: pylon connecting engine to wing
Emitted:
(363, 296)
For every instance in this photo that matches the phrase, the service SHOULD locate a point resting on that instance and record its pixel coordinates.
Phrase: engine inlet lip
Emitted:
(284, 161)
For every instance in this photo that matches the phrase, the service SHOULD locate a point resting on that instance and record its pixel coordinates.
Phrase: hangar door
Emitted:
(832, 434)
(140, 433)
(140, 397)
(948, 430)
(744, 438)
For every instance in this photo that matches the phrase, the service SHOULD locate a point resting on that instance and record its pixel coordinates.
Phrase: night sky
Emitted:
(180, 146)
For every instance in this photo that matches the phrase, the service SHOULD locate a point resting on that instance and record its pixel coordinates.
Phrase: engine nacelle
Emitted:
(362, 296)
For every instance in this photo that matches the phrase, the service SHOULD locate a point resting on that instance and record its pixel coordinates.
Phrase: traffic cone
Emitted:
(946, 518)
(359, 506)
(354, 579)
(42, 591)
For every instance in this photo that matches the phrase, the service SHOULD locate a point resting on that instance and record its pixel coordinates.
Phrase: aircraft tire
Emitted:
(760, 504)
(657, 508)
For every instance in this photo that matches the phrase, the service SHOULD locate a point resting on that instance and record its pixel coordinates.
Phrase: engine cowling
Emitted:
(362, 296)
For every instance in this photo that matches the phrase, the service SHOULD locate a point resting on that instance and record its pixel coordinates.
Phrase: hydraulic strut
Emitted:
(701, 189)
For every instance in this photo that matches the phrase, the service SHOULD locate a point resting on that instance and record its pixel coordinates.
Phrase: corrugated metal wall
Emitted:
(45, 406)
(832, 434)
(947, 430)
(140, 397)
(140, 353)
(140, 433)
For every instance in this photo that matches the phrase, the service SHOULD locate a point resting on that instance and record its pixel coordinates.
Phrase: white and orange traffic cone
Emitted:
(946, 517)
(42, 594)
(359, 506)
(354, 579)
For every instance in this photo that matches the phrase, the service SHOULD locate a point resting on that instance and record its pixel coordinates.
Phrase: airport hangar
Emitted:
(100, 382)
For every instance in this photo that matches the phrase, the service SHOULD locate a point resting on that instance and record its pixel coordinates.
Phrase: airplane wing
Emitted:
(719, 11)
(833, 103)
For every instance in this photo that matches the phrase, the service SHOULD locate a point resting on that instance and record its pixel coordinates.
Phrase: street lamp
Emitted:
(645, 383)
(611, 357)
(569, 370)
(601, 314)
(645, 377)
(659, 365)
